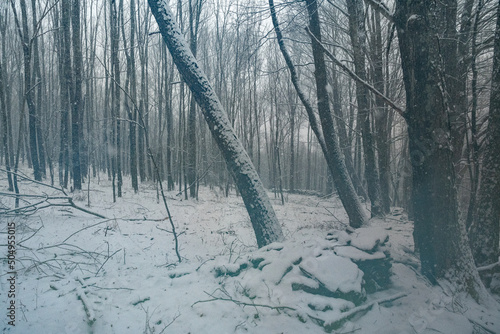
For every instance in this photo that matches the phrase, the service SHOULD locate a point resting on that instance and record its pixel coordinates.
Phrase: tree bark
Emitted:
(265, 224)
(484, 232)
(76, 103)
(130, 85)
(438, 233)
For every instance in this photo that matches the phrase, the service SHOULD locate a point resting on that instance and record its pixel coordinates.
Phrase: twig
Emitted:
(240, 303)
(176, 240)
(35, 206)
(31, 236)
(109, 257)
(86, 306)
(90, 226)
(34, 181)
(73, 205)
(171, 322)
(349, 314)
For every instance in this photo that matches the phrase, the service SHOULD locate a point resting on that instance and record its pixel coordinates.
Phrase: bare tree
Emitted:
(325, 133)
(265, 224)
(76, 98)
(357, 33)
(29, 91)
(115, 102)
(336, 162)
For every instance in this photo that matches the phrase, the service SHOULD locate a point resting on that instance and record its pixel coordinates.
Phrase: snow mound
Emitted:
(368, 238)
(304, 279)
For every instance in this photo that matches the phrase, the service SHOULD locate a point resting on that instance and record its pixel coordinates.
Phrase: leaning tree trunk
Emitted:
(438, 232)
(484, 232)
(265, 224)
(336, 162)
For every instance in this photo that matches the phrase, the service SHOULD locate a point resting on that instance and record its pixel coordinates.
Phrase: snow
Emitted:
(369, 238)
(335, 272)
(77, 273)
(356, 254)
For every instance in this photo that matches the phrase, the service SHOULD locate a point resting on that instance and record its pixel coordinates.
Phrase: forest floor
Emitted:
(77, 273)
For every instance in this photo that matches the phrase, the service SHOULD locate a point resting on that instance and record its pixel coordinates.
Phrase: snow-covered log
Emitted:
(258, 205)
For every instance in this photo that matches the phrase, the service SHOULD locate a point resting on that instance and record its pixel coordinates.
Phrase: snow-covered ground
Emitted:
(77, 273)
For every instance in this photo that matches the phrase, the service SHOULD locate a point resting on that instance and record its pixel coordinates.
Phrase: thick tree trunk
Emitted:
(484, 232)
(439, 234)
(265, 224)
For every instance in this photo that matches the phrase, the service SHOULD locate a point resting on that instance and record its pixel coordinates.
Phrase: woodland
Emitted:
(387, 109)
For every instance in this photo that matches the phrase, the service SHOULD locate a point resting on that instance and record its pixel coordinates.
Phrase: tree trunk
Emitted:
(357, 34)
(328, 140)
(265, 224)
(28, 88)
(6, 140)
(484, 232)
(439, 234)
(115, 103)
(131, 87)
(381, 118)
(6, 108)
(76, 103)
(194, 23)
(336, 162)
(63, 58)
(37, 96)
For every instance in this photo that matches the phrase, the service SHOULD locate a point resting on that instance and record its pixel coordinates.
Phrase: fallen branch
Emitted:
(34, 181)
(240, 303)
(86, 306)
(335, 323)
(82, 229)
(45, 199)
(109, 257)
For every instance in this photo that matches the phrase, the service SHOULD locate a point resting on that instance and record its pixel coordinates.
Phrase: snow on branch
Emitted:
(381, 8)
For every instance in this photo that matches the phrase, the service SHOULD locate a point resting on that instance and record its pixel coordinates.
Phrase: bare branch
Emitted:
(353, 75)
(381, 8)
